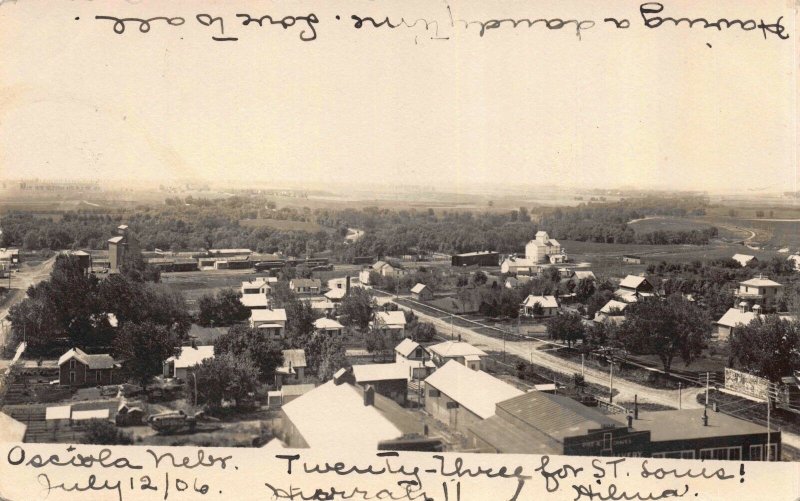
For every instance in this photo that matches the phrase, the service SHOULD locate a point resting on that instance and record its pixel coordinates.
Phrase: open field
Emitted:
(606, 259)
(194, 284)
(652, 224)
(282, 225)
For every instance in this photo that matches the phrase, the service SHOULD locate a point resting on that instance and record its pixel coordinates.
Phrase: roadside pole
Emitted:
(611, 381)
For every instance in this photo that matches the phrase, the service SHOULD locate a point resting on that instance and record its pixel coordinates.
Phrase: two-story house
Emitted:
(77, 368)
(760, 291)
(271, 322)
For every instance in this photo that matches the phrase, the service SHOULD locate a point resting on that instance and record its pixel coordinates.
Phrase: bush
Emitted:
(105, 433)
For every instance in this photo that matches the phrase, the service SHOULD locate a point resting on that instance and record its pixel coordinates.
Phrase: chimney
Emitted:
(630, 421)
(369, 396)
(347, 285)
(636, 407)
(338, 377)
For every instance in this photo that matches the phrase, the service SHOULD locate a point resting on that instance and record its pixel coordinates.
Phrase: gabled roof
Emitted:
(322, 305)
(391, 318)
(189, 357)
(296, 357)
(632, 282)
(406, 347)
(613, 305)
(734, 317)
(381, 372)
(103, 361)
(336, 293)
(327, 323)
(585, 275)
(254, 300)
(378, 265)
(544, 301)
(519, 262)
(627, 295)
(345, 424)
(477, 391)
(116, 240)
(306, 282)
(418, 288)
(761, 282)
(450, 349)
(276, 315)
(258, 282)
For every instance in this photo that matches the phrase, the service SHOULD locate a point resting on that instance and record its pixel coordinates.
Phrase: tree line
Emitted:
(198, 223)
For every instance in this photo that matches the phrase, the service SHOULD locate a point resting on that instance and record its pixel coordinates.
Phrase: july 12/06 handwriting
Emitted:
(651, 15)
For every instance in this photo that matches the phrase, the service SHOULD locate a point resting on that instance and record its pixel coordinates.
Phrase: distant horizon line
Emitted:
(373, 185)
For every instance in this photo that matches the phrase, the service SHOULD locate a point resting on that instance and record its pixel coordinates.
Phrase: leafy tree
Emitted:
(479, 278)
(584, 289)
(243, 342)
(222, 309)
(165, 306)
(280, 294)
(356, 308)
(143, 349)
(423, 332)
(315, 348)
(136, 268)
(767, 347)
(598, 334)
(567, 327)
(334, 357)
(227, 377)
(377, 342)
(300, 319)
(669, 328)
(99, 432)
(597, 301)
(34, 320)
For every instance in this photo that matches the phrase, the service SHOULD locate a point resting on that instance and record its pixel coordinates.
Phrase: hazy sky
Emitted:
(637, 106)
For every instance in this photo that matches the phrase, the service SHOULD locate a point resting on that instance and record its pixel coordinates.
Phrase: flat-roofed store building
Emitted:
(682, 434)
(541, 423)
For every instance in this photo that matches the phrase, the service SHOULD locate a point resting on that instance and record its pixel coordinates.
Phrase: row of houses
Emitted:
(754, 298)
